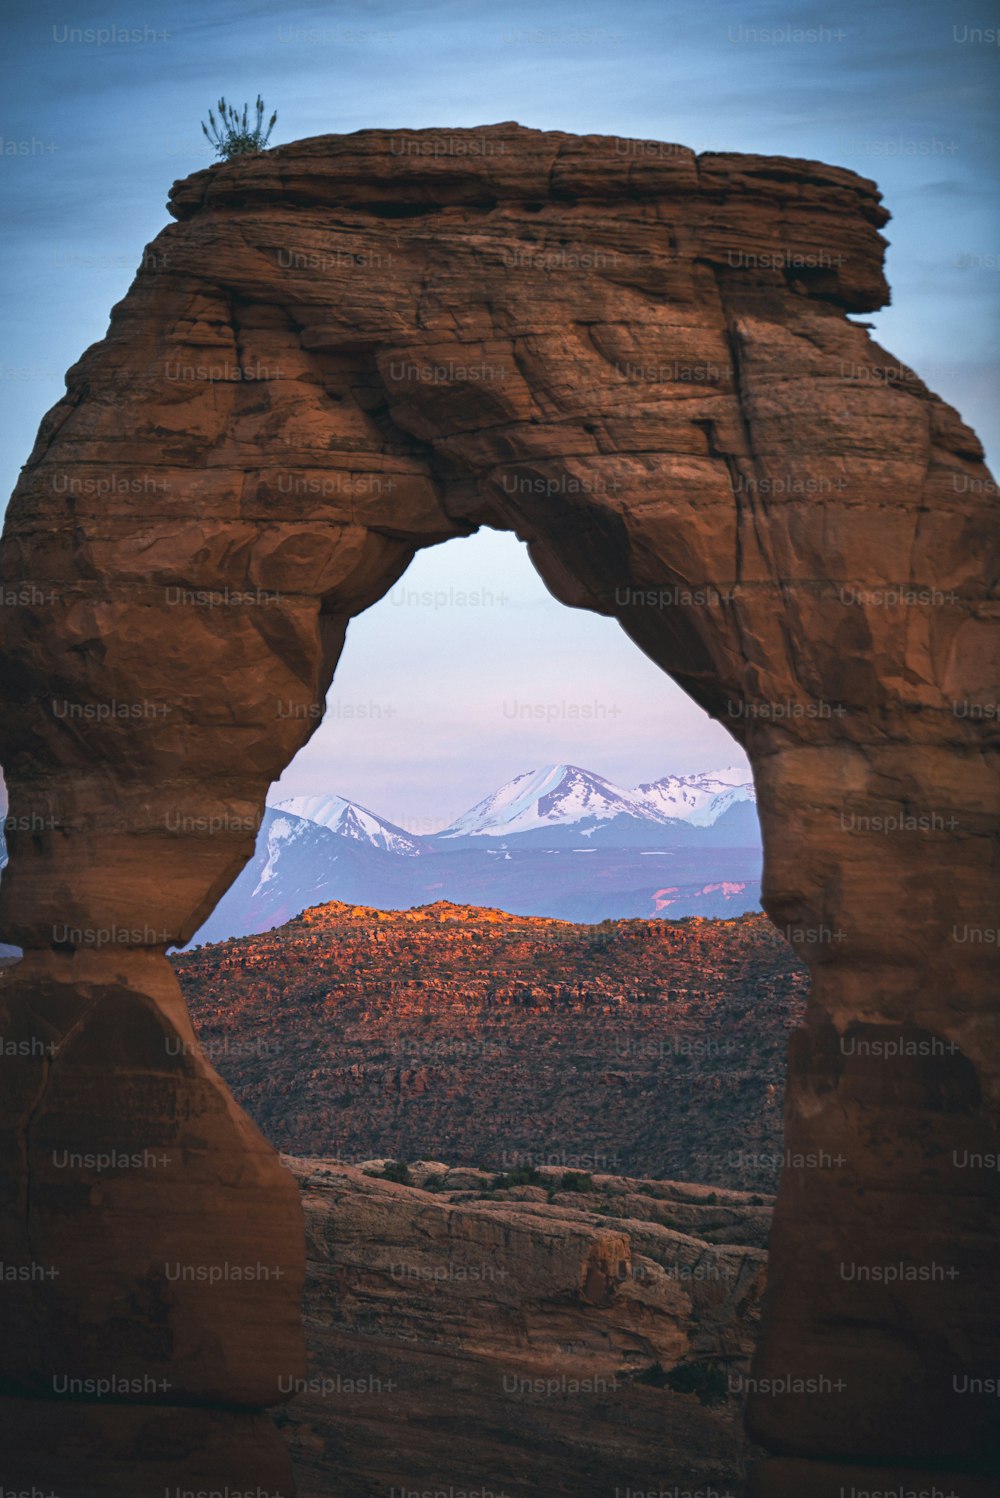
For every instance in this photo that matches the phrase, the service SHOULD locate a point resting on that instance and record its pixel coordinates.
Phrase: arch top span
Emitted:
(640, 360)
(774, 212)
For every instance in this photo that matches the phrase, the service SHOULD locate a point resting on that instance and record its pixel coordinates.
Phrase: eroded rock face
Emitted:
(539, 1341)
(641, 361)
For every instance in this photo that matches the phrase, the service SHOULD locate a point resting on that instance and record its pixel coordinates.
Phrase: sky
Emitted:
(101, 111)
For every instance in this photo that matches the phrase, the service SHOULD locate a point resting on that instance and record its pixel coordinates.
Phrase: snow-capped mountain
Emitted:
(290, 869)
(561, 841)
(7, 954)
(566, 796)
(700, 800)
(555, 796)
(298, 863)
(348, 819)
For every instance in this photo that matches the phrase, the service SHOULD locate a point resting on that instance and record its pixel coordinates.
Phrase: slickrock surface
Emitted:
(640, 360)
(641, 1047)
(530, 1341)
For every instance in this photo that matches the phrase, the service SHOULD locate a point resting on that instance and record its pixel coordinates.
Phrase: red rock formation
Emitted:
(640, 360)
(537, 1342)
(643, 1047)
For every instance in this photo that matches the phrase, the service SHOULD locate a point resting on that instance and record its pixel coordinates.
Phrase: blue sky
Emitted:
(94, 130)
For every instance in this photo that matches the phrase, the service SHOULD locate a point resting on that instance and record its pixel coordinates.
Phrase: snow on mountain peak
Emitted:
(558, 795)
(555, 795)
(351, 820)
(699, 799)
(562, 795)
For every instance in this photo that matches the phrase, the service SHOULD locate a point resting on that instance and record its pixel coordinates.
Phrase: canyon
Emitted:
(646, 363)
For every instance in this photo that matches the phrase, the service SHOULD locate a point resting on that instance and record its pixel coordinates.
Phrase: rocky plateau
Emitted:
(638, 1047)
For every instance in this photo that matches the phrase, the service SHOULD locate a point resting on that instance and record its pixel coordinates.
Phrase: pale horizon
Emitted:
(437, 702)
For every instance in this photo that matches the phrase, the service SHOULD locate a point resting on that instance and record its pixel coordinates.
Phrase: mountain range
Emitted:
(587, 805)
(561, 841)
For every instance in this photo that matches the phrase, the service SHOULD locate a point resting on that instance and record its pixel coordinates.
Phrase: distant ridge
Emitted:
(335, 912)
(560, 843)
(645, 1047)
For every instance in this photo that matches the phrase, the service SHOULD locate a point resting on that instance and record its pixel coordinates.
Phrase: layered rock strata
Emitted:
(641, 1047)
(523, 1340)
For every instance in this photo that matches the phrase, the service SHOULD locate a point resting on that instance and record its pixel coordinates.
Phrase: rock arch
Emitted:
(640, 360)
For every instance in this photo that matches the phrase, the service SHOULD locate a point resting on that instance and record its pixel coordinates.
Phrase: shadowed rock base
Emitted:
(151, 1240)
(796, 1479)
(53, 1450)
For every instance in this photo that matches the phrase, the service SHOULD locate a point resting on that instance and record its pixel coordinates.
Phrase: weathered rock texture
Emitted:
(524, 1342)
(641, 361)
(651, 1048)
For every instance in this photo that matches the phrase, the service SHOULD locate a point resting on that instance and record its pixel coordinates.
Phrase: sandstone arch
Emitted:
(332, 359)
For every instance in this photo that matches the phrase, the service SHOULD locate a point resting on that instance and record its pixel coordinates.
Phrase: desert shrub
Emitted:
(577, 1180)
(394, 1170)
(234, 134)
(521, 1175)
